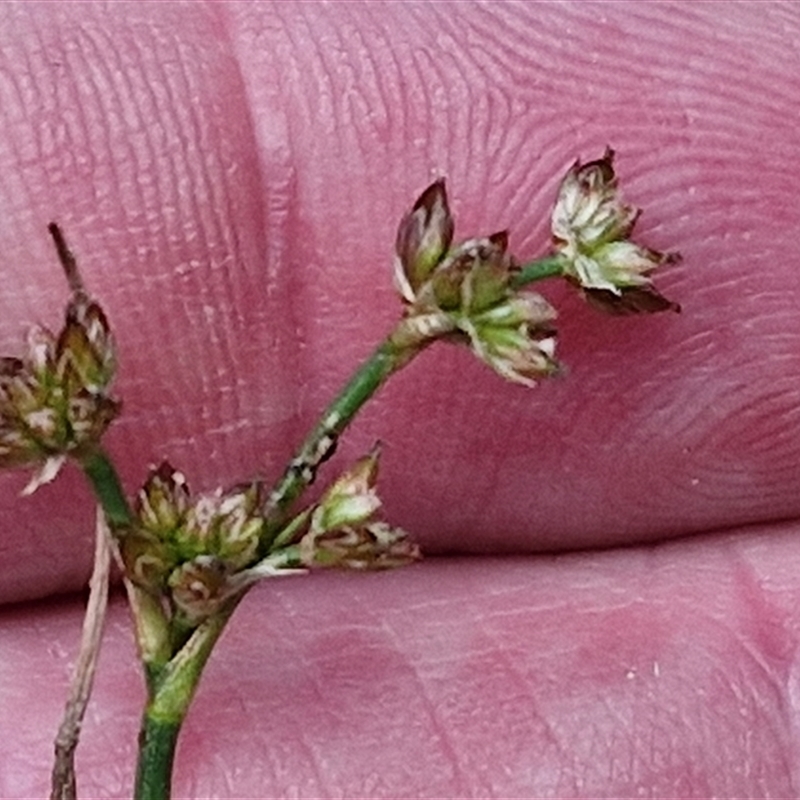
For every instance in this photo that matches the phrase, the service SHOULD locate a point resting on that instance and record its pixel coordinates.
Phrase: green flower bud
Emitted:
(54, 400)
(148, 560)
(352, 499)
(468, 294)
(342, 532)
(516, 338)
(192, 552)
(84, 352)
(163, 502)
(475, 276)
(226, 525)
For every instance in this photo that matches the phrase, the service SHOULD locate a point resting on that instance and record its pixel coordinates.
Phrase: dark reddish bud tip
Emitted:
(67, 259)
(500, 240)
(423, 238)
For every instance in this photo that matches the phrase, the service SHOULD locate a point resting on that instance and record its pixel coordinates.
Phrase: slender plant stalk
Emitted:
(392, 354)
(102, 475)
(171, 685)
(547, 267)
(168, 704)
(63, 777)
(157, 741)
(320, 443)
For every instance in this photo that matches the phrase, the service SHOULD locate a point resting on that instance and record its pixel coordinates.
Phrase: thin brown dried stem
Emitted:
(67, 260)
(63, 785)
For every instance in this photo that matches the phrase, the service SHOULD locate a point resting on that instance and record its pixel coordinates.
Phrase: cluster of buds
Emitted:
(188, 548)
(591, 233)
(54, 401)
(467, 292)
(198, 552)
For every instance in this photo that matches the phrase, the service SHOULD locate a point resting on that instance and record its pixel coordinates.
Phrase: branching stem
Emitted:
(320, 444)
(394, 352)
(547, 267)
(172, 682)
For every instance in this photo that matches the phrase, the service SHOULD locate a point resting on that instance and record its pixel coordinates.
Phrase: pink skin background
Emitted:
(611, 603)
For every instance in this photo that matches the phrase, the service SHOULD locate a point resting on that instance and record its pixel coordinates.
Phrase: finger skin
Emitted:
(230, 177)
(662, 426)
(138, 142)
(665, 672)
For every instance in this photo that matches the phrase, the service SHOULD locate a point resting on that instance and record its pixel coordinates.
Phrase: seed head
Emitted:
(591, 227)
(54, 399)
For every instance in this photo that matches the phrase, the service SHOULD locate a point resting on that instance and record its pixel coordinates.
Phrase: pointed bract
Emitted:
(423, 239)
(632, 300)
(352, 499)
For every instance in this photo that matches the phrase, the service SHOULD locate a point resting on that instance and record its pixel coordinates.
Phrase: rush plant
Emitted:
(188, 559)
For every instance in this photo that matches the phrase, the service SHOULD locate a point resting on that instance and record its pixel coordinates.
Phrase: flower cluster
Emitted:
(198, 552)
(189, 548)
(467, 292)
(591, 229)
(54, 400)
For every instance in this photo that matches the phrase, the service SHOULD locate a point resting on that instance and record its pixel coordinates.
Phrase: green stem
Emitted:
(172, 685)
(107, 487)
(157, 741)
(393, 353)
(547, 267)
(172, 694)
(158, 736)
(152, 634)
